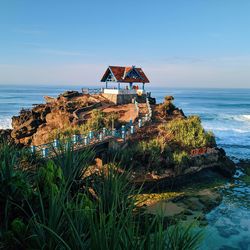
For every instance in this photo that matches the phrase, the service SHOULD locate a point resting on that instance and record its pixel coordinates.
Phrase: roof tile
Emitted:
(119, 72)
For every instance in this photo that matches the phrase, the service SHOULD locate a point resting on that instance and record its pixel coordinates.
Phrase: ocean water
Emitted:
(226, 112)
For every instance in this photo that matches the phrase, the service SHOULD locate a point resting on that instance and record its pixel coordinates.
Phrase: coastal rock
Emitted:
(70, 94)
(5, 135)
(206, 167)
(70, 110)
(65, 113)
(244, 244)
(227, 231)
(226, 247)
(188, 207)
(169, 98)
(225, 166)
(244, 165)
(167, 110)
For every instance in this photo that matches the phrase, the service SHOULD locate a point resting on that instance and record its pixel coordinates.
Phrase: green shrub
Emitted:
(146, 154)
(99, 119)
(180, 157)
(188, 133)
(180, 160)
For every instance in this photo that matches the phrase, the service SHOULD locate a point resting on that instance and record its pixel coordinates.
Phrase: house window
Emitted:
(110, 78)
(133, 74)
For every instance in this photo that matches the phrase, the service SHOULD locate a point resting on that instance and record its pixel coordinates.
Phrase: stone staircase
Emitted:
(143, 110)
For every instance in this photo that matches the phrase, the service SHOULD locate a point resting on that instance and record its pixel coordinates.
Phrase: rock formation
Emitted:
(5, 135)
(72, 109)
(167, 110)
(36, 125)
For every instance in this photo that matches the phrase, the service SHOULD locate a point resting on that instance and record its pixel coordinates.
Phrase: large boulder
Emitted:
(225, 165)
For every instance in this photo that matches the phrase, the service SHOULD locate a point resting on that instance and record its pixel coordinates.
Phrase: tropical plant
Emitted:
(188, 133)
(183, 237)
(56, 209)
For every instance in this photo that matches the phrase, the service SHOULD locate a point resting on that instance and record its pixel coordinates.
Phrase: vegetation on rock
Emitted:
(97, 121)
(188, 133)
(170, 148)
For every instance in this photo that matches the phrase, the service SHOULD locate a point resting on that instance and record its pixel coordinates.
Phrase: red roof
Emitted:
(121, 74)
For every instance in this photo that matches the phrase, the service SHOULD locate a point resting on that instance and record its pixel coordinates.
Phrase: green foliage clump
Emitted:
(64, 209)
(171, 149)
(14, 183)
(64, 133)
(189, 133)
(180, 157)
(98, 120)
(146, 154)
(180, 160)
(154, 155)
(153, 152)
(49, 177)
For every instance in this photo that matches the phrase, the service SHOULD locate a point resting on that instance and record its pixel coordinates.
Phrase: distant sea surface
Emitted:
(226, 112)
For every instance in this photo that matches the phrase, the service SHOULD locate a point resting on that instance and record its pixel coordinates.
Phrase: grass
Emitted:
(54, 207)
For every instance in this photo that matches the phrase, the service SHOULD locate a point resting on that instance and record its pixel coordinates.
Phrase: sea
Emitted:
(225, 112)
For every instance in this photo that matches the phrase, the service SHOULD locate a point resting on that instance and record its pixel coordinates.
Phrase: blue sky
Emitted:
(182, 43)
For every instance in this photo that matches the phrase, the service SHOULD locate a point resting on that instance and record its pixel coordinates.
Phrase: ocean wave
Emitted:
(224, 145)
(5, 123)
(240, 118)
(225, 129)
(244, 118)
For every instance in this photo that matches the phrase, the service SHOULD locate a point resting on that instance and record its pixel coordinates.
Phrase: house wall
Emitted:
(120, 98)
(123, 91)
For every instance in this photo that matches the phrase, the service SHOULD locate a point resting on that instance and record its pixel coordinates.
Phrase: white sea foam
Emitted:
(5, 122)
(240, 118)
(237, 130)
(244, 118)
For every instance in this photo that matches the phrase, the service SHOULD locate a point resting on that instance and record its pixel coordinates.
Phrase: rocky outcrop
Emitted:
(37, 125)
(27, 123)
(5, 136)
(68, 111)
(188, 207)
(215, 161)
(167, 110)
(225, 165)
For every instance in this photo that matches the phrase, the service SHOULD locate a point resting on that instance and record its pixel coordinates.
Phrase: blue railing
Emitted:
(78, 141)
(92, 90)
(149, 109)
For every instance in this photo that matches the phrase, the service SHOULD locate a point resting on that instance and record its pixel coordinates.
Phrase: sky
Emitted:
(181, 43)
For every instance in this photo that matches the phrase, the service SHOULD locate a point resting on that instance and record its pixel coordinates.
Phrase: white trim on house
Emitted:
(123, 91)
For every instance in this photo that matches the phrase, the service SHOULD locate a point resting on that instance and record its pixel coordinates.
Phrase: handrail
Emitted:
(94, 137)
(92, 90)
(149, 108)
